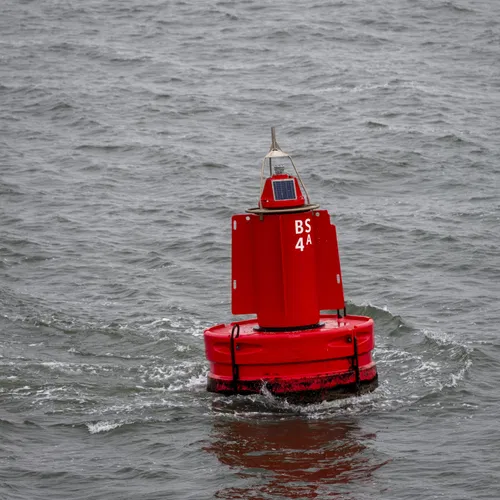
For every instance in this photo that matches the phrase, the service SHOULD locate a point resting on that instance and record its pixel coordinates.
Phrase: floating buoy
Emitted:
(286, 270)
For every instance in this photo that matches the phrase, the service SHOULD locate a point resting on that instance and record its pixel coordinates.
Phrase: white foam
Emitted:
(456, 378)
(384, 308)
(22, 389)
(75, 368)
(428, 367)
(446, 339)
(105, 426)
(63, 367)
(165, 373)
(162, 322)
(194, 382)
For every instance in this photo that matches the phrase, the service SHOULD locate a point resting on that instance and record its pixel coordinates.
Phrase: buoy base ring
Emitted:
(331, 361)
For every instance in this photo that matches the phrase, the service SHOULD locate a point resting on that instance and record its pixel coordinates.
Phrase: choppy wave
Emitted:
(130, 134)
(103, 426)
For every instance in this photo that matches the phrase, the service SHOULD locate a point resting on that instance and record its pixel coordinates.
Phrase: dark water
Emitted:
(131, 131)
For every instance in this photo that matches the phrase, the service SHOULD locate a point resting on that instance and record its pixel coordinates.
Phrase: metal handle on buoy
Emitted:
(355, 363)
(235, 333)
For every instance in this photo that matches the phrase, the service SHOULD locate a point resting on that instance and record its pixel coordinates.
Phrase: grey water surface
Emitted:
(131, 131)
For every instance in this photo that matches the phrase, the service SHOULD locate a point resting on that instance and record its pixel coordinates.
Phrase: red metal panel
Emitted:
(268, 271)
(243, 293)
(285, 268)
(299, 269)
(329, 276)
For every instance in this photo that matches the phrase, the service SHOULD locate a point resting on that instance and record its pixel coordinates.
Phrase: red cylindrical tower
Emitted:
(286, 270)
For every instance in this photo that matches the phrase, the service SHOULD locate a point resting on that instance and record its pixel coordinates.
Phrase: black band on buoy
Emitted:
(235, 333)
(355, 364)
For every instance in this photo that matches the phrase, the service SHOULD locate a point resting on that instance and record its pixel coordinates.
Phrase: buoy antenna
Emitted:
(274, 143)
(275, 151)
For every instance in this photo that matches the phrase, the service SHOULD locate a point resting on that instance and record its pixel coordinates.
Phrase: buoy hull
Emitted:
(327, 362)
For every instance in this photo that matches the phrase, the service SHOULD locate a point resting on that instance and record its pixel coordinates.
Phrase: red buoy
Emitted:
(286, 270)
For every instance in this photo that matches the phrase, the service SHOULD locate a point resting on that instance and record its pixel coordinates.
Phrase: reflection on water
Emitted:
(294, 457)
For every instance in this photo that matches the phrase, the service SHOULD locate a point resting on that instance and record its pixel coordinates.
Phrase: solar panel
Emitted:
(284, 190)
